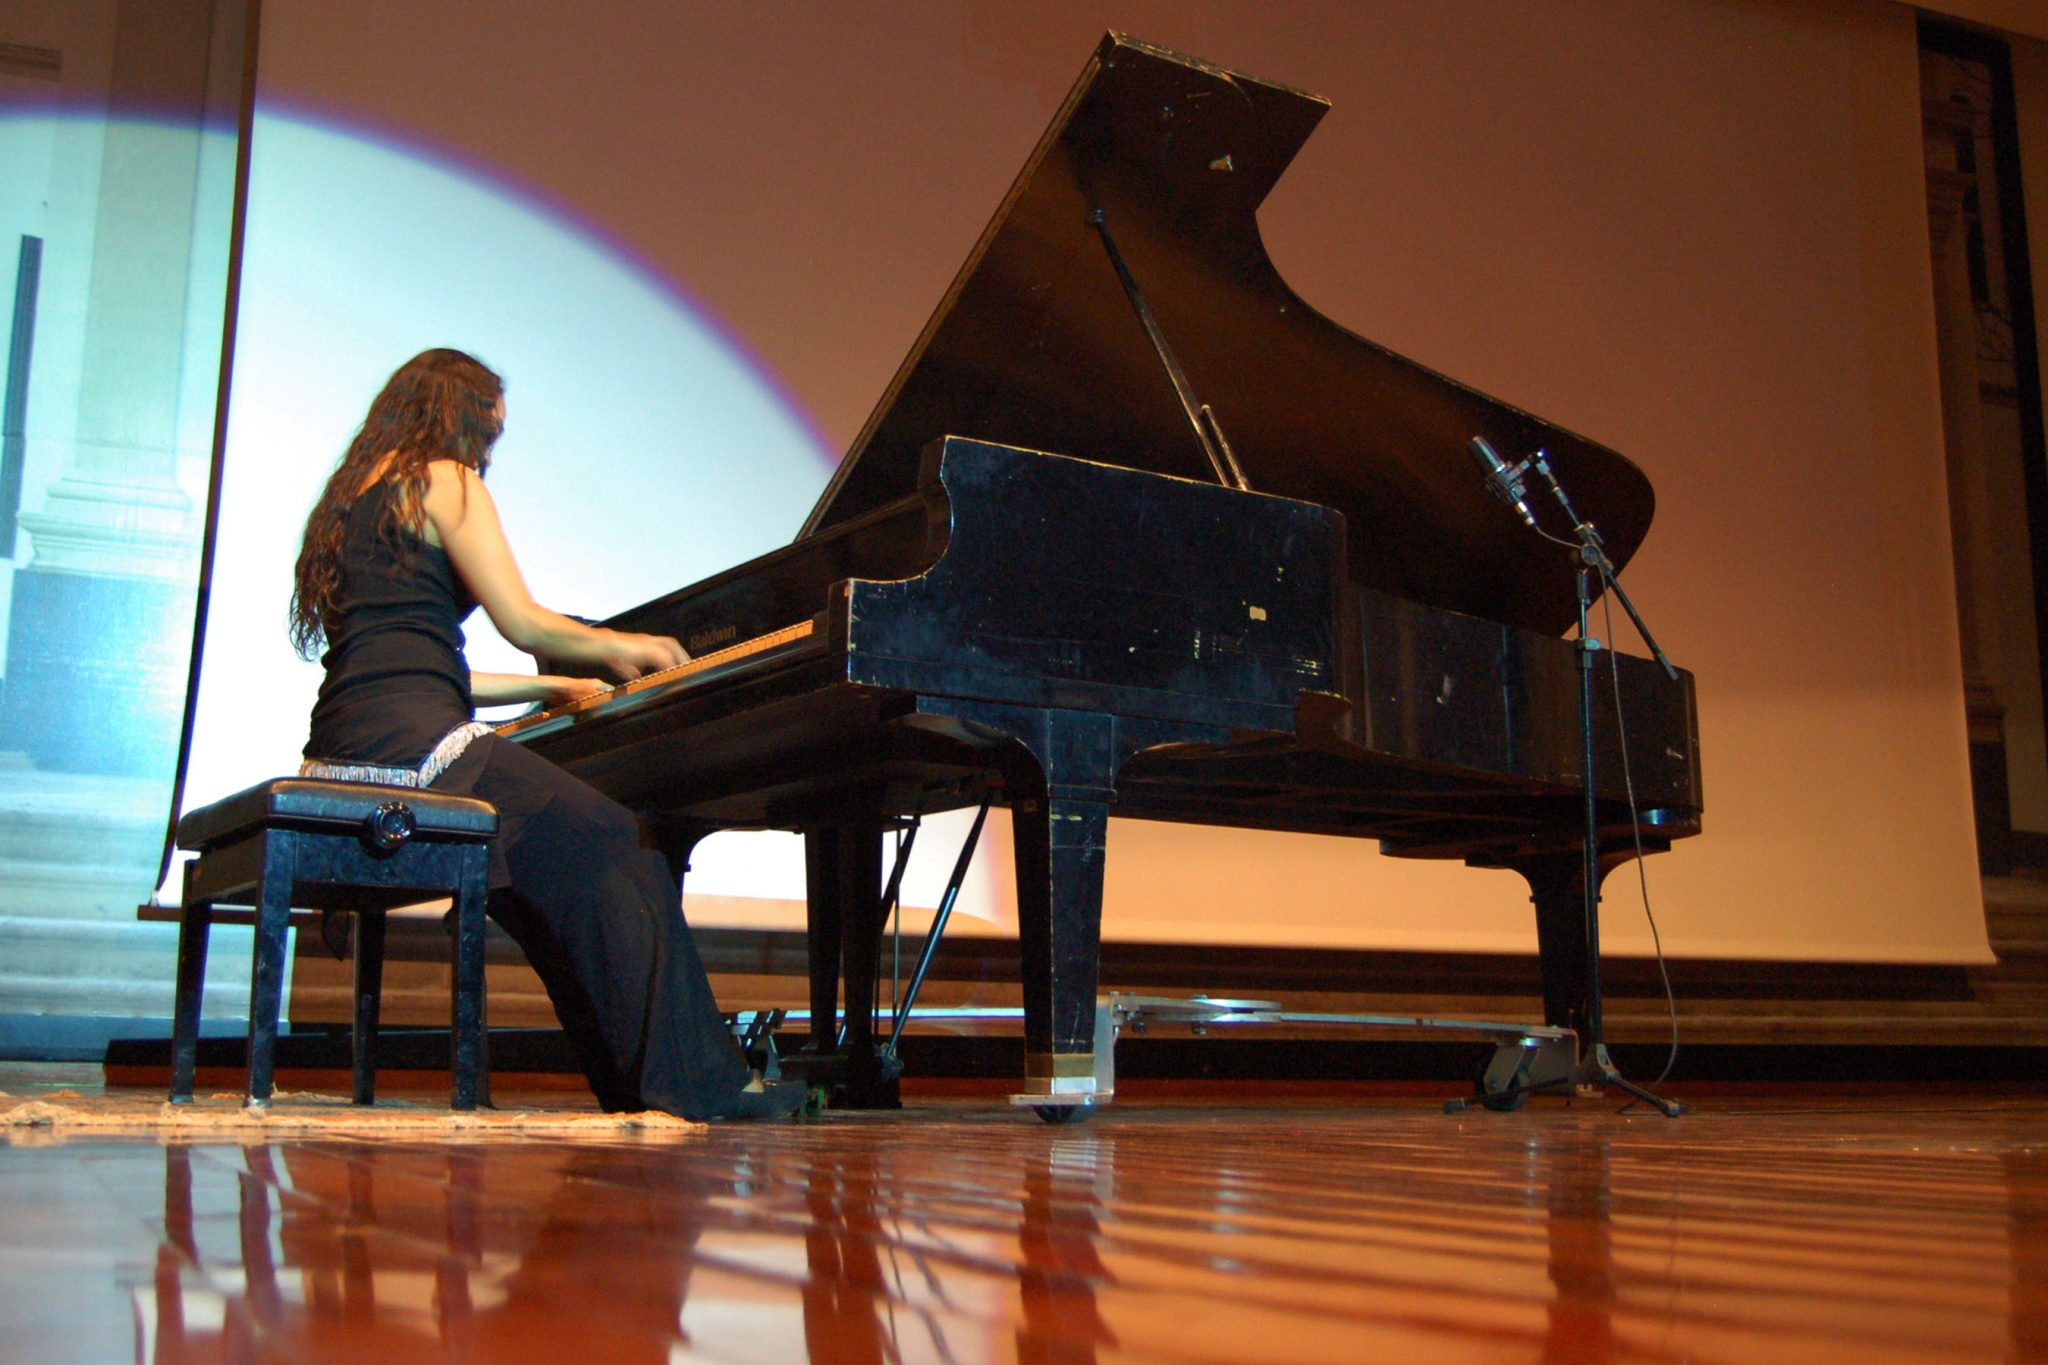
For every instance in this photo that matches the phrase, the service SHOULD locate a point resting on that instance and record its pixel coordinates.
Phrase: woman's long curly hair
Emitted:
(440, 405)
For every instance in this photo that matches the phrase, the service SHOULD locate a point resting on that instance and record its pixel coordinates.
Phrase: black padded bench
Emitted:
(355, 846)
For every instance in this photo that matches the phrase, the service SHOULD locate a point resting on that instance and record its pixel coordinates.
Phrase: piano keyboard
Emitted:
(642, 690)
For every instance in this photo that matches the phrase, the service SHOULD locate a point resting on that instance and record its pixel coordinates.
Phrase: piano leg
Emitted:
(824, 918)
(1059, 812)
(871, 1081)
(1060, 778)
(843, 872)
(1557, 886)
(1060, 842)
(1571, 979)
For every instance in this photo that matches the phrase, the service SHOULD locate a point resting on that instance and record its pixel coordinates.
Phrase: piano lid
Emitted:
(1037, 345)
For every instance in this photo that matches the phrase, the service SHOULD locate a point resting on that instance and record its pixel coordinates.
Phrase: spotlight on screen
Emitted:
(644, 449)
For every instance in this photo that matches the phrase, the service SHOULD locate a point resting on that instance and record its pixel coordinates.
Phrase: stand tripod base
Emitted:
(1550, 1067)
(1604, 1068)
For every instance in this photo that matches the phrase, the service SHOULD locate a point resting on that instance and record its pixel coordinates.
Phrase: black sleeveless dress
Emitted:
(396, 679)
(598, 916)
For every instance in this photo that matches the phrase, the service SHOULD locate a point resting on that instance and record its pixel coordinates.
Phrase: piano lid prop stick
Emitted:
(1200, 415)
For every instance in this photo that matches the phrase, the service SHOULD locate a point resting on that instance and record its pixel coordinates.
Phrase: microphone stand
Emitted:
(1595, 1067)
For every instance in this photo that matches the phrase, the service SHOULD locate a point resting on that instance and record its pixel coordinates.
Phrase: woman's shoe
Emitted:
(774, 1100)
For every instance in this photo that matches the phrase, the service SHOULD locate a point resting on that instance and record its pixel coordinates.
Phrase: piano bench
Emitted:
(356, 846)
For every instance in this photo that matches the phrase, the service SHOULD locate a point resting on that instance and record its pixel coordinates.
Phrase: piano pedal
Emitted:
(849, 1079)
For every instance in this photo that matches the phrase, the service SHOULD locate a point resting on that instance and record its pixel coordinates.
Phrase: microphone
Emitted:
(1503, 480)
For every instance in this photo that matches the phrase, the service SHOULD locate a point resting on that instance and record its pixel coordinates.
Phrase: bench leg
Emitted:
(368, 951)
(469, 1062)
(193, 928)
(266, 989)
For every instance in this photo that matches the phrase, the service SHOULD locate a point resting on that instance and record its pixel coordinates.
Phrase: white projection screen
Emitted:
(697, 240)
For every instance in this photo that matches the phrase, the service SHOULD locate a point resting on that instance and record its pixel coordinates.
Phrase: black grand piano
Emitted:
(1135, 531)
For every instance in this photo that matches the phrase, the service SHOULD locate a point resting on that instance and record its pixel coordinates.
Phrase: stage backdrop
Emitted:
(699, 238)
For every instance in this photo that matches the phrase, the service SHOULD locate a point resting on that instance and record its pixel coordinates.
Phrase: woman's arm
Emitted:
(502, 689)
(463, 520)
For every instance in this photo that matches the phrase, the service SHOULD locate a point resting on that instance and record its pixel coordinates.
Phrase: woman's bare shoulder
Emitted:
(456, 497)
(451, 474)
(451, 487)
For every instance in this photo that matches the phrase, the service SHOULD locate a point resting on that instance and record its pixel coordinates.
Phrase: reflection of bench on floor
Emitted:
(297, 843)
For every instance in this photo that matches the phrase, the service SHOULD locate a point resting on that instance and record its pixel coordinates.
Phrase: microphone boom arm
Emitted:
(1593, 551)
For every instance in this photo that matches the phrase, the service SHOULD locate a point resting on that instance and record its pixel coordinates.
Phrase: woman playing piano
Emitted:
(404, 543)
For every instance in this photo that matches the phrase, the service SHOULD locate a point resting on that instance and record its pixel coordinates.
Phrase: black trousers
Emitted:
(601, 920)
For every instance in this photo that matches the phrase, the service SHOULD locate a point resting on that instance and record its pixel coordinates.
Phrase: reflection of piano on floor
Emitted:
(1367, 645)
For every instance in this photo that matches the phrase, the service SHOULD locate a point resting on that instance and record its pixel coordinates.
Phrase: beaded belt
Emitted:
(431, 767)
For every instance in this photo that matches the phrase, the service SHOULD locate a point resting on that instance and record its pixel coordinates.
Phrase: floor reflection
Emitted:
(2026, 1183)
(844, 1292)
(1060, 1254)
(301, 1246)
(483, 1253)
(1573, 1185)
(1195, 1235)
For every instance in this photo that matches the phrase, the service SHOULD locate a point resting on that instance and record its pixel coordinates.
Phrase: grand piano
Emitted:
(1136, 531)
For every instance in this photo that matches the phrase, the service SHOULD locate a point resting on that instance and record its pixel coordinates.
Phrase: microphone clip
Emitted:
(1506, 481)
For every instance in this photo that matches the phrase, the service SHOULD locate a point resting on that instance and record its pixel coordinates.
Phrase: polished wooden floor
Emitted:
(1889, 1228)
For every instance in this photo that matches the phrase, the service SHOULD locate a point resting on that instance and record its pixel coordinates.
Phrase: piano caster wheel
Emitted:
(1501, 1101)
(1063, 1113)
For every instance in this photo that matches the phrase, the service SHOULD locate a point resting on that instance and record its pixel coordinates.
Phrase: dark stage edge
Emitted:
(547, 1051)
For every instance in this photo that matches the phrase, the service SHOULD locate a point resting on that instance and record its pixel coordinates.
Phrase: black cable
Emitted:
(1636, 828)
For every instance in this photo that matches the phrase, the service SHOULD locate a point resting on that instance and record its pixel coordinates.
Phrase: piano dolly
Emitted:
(1527, 1058)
